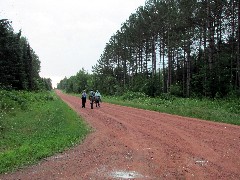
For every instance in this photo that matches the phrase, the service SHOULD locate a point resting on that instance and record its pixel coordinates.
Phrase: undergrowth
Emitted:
(34, 126)
(219, 110)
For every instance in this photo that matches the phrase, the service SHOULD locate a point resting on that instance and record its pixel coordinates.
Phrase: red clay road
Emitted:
(129, 143)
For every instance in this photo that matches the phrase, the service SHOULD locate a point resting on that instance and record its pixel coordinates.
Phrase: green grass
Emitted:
(221, 110)
(34, 126)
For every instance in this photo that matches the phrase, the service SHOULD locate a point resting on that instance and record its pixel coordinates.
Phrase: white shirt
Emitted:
(98, 94)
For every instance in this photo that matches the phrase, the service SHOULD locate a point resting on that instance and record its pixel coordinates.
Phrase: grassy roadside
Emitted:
(34, 126)
(226, 111)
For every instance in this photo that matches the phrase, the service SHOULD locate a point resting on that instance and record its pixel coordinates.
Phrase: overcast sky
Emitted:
(67, 35)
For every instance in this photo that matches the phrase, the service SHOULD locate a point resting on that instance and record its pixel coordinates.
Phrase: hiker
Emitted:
(97, 98)
(98, 94)
(92, 97)
(84, 98)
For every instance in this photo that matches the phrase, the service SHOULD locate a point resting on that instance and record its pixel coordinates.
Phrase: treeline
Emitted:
(19, 64)
(182, 47)
(77, 83)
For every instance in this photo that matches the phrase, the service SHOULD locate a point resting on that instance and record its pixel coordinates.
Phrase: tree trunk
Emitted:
(160, 59)
(205, 57)
(238, 48)
(188, 68)
(169, 82)
(141, 59)
(210, 36)
(153, 57)
(233, 34)
(183, 69)
(146, 59)
(164, 74)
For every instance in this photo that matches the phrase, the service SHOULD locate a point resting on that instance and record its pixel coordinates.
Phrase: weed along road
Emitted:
(129, 143)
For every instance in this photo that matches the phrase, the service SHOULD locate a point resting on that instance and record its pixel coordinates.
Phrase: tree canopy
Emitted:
(19, 64)
(183, 47)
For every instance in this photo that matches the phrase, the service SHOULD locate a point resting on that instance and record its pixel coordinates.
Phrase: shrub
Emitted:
(133, 95)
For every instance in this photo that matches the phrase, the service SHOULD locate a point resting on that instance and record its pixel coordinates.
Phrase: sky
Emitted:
(67, 35)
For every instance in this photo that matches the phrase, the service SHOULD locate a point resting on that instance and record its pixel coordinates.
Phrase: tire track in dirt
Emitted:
(184, 139)
(194, 140)
(176, 132)
(131, 143)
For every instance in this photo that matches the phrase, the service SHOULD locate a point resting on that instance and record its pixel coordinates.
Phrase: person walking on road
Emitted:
(84, 98)
(91, 98)
(97, 98)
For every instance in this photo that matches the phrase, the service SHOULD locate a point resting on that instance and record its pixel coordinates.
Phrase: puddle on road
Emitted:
(125, 174)
(201, 162)
(118, 174)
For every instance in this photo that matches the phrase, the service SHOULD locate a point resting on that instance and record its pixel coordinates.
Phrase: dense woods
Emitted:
(183, 47)
(19, 64)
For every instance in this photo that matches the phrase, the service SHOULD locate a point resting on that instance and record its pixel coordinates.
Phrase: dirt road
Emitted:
(129, 143)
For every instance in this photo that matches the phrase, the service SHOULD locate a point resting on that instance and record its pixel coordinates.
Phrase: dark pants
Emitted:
(83, 102)
(97, 101)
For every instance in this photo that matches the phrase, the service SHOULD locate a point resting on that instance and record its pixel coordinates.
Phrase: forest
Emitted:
(187, 48)
(19, 64)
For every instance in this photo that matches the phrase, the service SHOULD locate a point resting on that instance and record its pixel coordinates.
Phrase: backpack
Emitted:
(92, 93)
